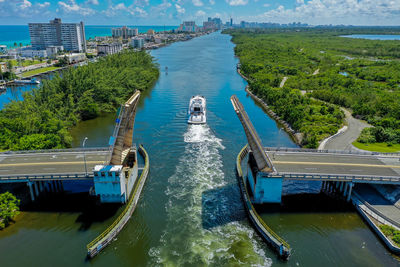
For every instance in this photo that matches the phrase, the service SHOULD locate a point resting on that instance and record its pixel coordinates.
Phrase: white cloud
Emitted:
(180, 9)
(361, 12)
(43, 5)
(72, 7)
(197, 2)
(141, 3)
(212, 2)
(25, 4)
(237, 2)
(92, 2)
(200, 13)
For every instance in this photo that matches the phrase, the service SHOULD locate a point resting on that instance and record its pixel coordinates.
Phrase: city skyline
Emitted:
(172, 12)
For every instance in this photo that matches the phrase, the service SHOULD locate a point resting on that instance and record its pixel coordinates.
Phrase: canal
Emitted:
(190, 212)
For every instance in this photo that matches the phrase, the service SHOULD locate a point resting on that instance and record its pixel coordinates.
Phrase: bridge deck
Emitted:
(334, 164)
(20, 166)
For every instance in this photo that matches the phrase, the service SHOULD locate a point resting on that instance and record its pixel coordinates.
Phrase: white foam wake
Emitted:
(185, 241)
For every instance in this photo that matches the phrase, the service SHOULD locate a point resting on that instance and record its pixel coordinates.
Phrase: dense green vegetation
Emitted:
(391, 233)
(42, 119)
(359, 74)
(9, 208)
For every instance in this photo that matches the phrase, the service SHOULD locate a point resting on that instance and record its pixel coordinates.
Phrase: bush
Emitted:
(9, 208)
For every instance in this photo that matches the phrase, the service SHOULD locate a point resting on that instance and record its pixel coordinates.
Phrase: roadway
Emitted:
(29, 164)
(334, 164)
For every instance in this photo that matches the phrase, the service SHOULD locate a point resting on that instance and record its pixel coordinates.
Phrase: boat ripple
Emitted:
(185, 241)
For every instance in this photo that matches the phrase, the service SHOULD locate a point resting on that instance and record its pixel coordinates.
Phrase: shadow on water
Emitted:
(306, 203)
(88, 207)
(217, 210)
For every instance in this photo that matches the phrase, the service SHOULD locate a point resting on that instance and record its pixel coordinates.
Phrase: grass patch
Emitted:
(38, 71)
(391, 233)
(378, 147)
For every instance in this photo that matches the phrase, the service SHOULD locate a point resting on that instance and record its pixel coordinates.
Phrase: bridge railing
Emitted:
(45, 177)
(325, 151)
(115, 134)
(337, 177)
(377, 212)
(107, 236)
(78, 149)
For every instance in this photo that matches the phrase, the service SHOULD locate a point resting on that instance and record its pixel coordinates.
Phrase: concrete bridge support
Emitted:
(31, 190)
(350, 189)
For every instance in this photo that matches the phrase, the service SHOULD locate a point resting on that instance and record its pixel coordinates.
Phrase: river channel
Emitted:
(190, 212)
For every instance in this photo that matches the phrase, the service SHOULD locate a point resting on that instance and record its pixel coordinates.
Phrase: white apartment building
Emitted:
(69, 35)
(124, 32)
(108, 49)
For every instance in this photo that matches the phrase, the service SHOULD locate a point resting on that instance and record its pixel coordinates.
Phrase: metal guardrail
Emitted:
(282, 247)
(107, 236)
(88, 149)
(328, 151)
(115, 133)
(369, 206)
(45, 177)
(338, 177)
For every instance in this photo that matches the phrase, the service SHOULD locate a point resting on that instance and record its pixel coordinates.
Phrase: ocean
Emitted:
(16, 34)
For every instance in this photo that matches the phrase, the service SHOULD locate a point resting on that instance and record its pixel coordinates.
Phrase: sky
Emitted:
(173, 12)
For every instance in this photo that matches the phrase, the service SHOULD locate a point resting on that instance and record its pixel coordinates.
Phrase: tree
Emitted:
(9, 208)
(10, 66)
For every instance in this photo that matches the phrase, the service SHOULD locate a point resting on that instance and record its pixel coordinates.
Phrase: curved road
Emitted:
(344, 141)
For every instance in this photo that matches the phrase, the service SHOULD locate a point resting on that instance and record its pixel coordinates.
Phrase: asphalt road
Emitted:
(49, 163)
(320, 163)
(344, 141)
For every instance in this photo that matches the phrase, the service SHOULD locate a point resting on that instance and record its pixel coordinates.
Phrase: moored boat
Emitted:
(31, 81)
(197, 110)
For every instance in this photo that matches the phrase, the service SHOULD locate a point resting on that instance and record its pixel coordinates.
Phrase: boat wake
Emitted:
(185, 240)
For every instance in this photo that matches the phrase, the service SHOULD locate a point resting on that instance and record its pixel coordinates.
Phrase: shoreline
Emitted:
(296, 136)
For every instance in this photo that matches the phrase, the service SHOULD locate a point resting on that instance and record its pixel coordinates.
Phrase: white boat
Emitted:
(31, 81)
(197, 110)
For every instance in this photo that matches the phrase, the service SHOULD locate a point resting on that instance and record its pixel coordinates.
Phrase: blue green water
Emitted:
(373, 36)
(190, 212)
(10, 34)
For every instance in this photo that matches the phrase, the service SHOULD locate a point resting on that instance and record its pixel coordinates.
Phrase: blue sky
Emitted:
(172, 12)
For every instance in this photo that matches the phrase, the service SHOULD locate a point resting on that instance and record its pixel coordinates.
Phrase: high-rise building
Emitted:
(138, 43)
(69, 35)
(188, 26)
(217, 22)
(124, 32)
(231, 22)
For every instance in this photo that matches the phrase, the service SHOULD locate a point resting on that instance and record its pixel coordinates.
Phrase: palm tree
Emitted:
(15, 44)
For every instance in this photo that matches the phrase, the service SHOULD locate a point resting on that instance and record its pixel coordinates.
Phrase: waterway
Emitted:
(190, 212)
(374, 36)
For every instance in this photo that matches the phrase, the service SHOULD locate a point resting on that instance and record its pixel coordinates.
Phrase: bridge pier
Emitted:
(341, 186)
(31, 191)
(350, 189)
(40, 186)
(36, 187)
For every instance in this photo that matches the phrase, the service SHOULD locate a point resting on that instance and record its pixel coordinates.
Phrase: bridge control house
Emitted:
(114, 183)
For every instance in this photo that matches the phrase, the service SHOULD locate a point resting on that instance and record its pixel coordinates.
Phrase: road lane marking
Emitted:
(336, 164)
(49, 163)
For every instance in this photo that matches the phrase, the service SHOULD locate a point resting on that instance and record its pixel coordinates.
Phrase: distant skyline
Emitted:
(173, 12)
